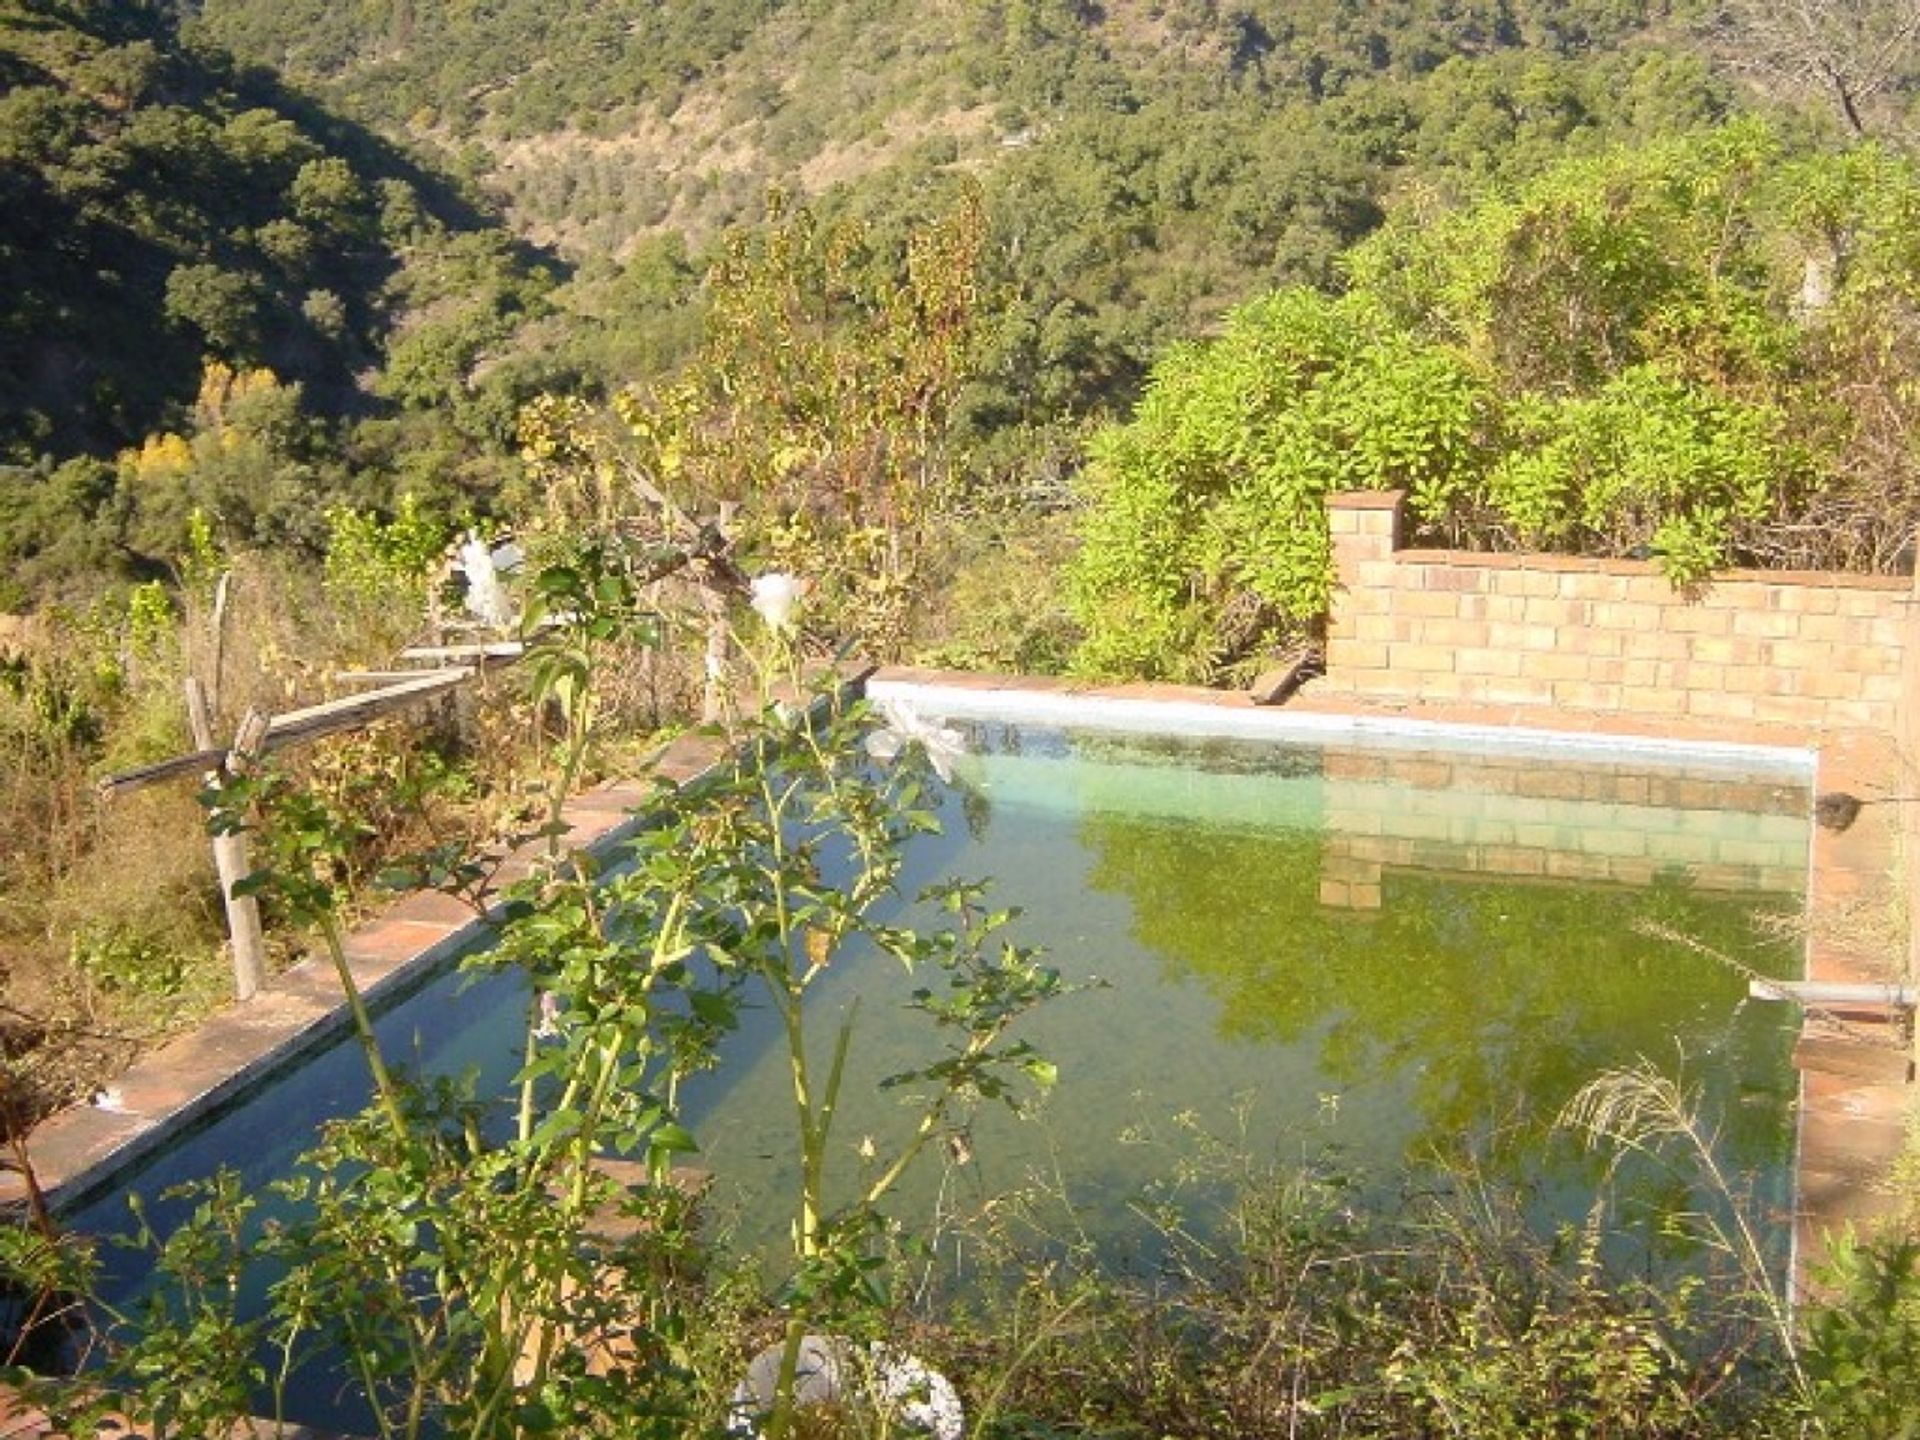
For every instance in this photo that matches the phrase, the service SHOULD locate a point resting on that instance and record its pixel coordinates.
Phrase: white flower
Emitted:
(486, 596)
(903, 726)
(776, 596)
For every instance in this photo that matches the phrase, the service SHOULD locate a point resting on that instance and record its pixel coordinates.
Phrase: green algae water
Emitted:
(1362, 955)
(1392, 962)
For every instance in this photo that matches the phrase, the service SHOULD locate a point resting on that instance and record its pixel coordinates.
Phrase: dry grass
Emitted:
(111, 927)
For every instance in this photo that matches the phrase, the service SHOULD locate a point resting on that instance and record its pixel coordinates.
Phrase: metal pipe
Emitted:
(1835, 992)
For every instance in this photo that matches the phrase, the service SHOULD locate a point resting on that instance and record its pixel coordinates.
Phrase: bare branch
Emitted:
(1847, 53)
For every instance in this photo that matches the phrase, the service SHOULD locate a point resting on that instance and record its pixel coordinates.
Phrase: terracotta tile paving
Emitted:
(614, 798)
(430, 908)
(380, 949)
(311, 979)
(21, 1421)
(389, 939)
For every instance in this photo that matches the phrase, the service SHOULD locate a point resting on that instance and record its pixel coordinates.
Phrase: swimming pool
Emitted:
(1382, 941)
(1366, 945)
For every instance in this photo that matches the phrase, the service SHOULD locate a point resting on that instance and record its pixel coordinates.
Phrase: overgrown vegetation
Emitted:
(1681, 352)
(112, 929)
(510, 1314)
(547, 1293)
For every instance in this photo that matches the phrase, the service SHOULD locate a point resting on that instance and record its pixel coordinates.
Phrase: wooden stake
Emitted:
(218, 624)
(231, 862)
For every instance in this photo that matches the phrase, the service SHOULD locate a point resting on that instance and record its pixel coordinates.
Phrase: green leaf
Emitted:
(672, 1139)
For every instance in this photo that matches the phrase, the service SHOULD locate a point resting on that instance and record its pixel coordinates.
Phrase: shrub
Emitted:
(1204, 540)
(1691, 352)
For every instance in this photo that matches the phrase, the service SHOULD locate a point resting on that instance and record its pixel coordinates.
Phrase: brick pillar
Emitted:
(1907, 737)
(1365, 526)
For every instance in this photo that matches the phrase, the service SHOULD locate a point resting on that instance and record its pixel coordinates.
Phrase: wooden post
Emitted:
(714, 687)
(217, 667)
(230, 859)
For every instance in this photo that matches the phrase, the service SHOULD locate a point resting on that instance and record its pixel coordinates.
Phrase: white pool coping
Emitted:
(1190, 717)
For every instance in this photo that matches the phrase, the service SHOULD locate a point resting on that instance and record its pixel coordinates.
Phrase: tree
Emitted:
(247, 462)
(820, 403)
(223, 305)
(328, 197)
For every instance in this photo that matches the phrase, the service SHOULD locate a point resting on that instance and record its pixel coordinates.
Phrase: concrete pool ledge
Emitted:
(84, 1149)
(1855, 1115)
(1318, 715)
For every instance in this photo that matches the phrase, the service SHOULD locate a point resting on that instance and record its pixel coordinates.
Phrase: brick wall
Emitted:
(1826, 651)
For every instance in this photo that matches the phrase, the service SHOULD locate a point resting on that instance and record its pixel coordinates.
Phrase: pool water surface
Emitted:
(1363, 955)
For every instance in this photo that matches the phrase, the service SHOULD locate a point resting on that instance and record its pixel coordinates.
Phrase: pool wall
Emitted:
(1492, 800)
(1511, 817)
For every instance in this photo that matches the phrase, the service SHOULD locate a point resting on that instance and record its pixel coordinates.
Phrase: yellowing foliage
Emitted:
(160, 457)
(223, 390)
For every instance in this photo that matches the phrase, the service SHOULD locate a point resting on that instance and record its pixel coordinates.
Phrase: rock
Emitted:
(1836, 809)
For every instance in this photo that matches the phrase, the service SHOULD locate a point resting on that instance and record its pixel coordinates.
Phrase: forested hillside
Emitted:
(180, 177)
(164, 209)
(1144, 165)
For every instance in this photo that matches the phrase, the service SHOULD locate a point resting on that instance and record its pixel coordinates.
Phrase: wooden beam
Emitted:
(1273, 686)
(296, 727)
(479, 650)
